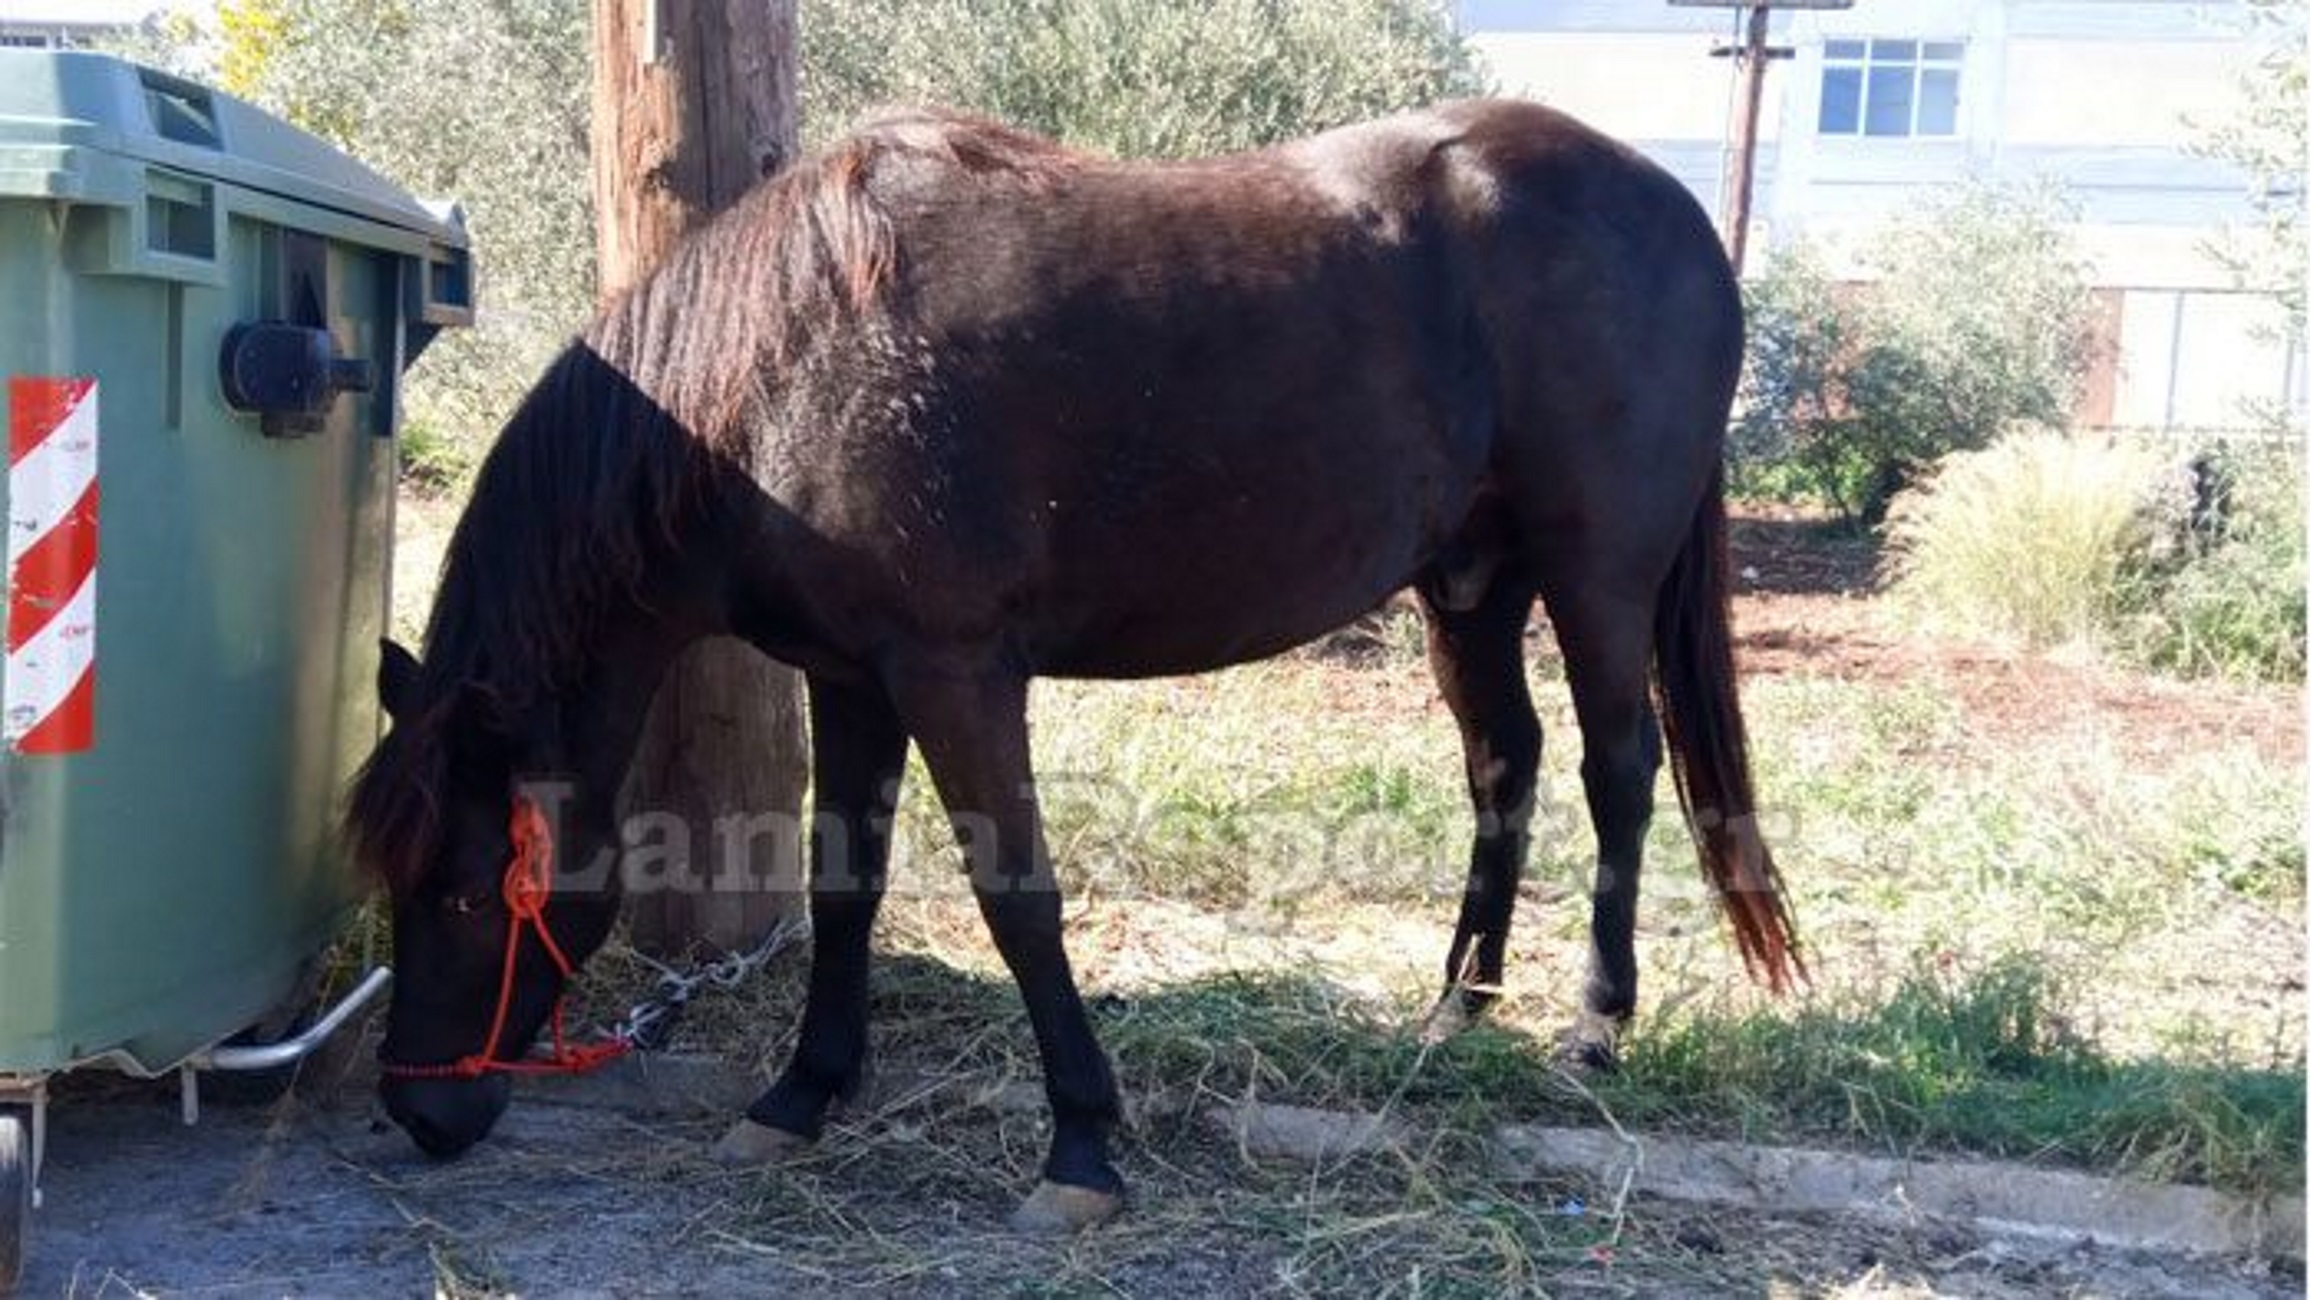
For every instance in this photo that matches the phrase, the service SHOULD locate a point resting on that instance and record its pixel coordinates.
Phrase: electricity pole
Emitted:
(1750, 56)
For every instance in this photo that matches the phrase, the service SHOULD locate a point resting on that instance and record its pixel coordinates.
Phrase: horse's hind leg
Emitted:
(970, 717)
(857, 753)
(1476, 649)
(1605, 631)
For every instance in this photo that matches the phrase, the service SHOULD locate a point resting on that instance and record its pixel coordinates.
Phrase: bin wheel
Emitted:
(15, 1192)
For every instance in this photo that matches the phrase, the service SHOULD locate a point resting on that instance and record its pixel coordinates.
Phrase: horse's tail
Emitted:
(1708, 746)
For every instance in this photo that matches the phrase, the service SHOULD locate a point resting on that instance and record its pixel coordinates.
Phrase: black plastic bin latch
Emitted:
(289, 374)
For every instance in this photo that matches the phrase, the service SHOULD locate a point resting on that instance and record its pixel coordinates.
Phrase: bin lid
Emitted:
(75, 98)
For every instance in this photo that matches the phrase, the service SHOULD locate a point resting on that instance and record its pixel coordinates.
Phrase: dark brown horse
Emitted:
(949, 407)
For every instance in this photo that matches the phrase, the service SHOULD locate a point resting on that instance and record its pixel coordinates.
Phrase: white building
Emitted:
(1886, 103)
(66, 24)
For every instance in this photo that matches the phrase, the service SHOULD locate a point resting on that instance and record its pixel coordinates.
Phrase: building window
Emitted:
(1890, 88)
(24, 41)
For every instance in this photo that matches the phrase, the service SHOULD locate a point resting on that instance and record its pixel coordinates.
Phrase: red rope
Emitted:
(528, 887)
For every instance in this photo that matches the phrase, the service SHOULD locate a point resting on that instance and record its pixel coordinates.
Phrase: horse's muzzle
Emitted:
(445, 1116)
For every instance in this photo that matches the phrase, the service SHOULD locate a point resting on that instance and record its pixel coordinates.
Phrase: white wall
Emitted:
(2116, 92)
(2197, 358)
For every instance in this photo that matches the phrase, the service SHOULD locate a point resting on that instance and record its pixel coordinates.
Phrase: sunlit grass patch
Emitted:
(1947, 886)
(1942, 1057)
(1990, 1062)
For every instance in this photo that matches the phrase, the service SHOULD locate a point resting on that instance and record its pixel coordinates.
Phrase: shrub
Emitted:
(1791, 439)
(2034, 537)
(2188, 563)
(432, 461)
(2226, 596)
(1978, 317)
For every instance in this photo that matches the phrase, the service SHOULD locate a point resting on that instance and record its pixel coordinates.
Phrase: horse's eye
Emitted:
(463, 904)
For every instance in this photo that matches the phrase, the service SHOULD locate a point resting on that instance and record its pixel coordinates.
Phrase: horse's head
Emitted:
(499, 887)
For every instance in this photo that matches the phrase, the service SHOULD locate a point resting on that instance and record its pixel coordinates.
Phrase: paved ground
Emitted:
(299, 1199)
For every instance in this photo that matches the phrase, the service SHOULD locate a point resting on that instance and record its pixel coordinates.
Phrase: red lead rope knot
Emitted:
(529, 875)
(528, 887)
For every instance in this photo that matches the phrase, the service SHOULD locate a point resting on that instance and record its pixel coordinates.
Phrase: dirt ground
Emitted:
(1806, 605)
(1809, 602)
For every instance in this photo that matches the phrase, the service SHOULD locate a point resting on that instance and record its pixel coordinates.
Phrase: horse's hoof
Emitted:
(748, 1143)
(1587, 1056)
(1591, 1045)
(1447, 1019)
(1055, 1209)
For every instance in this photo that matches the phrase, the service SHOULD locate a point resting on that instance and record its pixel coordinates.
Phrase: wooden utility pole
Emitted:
(1753, 55)
(694, 101)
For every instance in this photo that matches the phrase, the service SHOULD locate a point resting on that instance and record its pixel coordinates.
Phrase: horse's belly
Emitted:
(1224, 585)
(1156, 644)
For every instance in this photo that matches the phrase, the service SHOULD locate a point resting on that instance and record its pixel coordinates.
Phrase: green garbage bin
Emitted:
(204, 318)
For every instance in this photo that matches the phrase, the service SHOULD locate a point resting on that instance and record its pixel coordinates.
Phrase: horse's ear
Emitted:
(396, 679)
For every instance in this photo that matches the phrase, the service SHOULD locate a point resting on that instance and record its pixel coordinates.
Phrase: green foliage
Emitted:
(2227, 600)
(1132, 78)
(487, 102)
(1990, 1061)
(1795, 438)
(431, 460)
(249, 32)
(1987, 305)
(1978, 317)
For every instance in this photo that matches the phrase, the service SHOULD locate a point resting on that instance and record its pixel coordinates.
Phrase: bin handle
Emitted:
(272, 1056)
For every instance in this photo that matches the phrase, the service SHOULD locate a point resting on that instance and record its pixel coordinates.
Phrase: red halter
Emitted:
(528, 884)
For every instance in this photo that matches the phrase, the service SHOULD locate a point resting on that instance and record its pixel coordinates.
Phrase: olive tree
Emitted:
(1977, 317)
(1134, 78)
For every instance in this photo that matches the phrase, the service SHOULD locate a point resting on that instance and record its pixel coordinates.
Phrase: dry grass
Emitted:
(2030, 536)
(909, 1188)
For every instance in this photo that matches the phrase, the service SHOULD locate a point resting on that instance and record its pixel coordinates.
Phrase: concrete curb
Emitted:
(2000, 1199)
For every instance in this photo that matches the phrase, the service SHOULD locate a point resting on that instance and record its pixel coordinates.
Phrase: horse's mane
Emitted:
(606, 460)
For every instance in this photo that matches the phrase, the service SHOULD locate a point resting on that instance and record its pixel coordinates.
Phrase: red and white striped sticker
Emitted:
(50, 697)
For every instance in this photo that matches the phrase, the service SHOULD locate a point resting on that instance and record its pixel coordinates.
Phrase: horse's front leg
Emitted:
(970, 717)
(858, 753)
